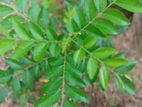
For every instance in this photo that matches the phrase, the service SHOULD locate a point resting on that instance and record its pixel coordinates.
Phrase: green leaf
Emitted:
(74, 78)
(7, 22)
(116, 17)
(80, 18)
(43, 18)
(51, 85)
(55, 49)
(133, 6)
(23, 101)
(5, 10)
(5, 76)
(22, 49)
(21, 5)
(3, 31)
(16, 86)
(21, 30)
(92, 67)
(103, 52)
(126, 68)
(6, 1)
(34, 11)
(105, 26)
(36, 72)
(36, 31)
(92, 9)
(15, 65)
(3, 94)
(129, 85)
(79, 55)
(125, 84)
(28, 79)
(74, 26)
(68, 103)
(100, 4)
(48, 100)
(40, 51)
(5, 45)
(104, 77)
(89, 41)
(76, 94)
(92, 30)
(51, 33)
(119, 82)
(116, 62)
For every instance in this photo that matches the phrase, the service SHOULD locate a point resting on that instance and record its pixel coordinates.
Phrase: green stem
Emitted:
(63, 80)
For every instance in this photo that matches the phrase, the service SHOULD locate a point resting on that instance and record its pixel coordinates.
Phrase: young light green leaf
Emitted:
(104, 77)
(92, 67)
(48, 100)
(5, 45)
(103, 52)
(40, 51)
(76, 94)
(116, 17)
(79, 55)
(22, 49)
(133, 6)
(116, 62)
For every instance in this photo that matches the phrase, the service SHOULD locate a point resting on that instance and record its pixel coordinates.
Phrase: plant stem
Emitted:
(63, 80)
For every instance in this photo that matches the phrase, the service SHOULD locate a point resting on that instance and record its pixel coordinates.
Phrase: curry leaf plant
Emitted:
(57, 50)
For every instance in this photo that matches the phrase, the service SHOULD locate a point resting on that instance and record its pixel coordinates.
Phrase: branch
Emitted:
(63, 80)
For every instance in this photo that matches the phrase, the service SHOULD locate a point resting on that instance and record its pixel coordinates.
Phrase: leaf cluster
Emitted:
(59, 54)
